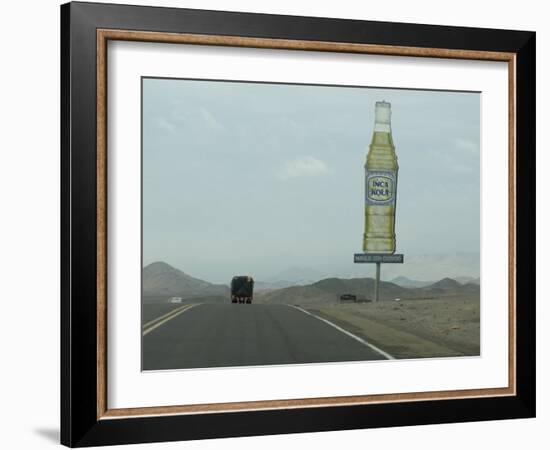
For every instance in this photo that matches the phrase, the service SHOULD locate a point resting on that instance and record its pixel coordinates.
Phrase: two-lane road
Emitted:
(223, 335)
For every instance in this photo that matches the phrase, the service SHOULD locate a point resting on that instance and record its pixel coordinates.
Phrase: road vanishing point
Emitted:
(225, 335)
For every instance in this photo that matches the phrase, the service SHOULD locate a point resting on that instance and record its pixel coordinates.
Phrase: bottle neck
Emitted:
(382, 127)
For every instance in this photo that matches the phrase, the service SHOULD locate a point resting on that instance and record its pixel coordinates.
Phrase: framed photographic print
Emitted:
(277, 224)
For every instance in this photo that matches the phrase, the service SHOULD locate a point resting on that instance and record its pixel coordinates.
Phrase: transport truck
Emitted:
(242, 289)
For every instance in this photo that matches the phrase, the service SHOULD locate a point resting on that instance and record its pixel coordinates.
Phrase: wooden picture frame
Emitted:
(86, 418)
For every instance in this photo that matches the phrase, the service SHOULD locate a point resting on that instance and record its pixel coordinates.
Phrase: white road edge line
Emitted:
(346, 332)
(151, 322)
(158, 324)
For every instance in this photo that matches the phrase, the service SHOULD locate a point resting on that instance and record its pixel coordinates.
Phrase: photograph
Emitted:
(307, 224)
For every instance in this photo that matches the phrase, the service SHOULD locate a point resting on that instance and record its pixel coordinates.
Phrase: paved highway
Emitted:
(222, 335)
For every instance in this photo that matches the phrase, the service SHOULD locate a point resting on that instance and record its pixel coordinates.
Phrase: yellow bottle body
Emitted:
(380, 194)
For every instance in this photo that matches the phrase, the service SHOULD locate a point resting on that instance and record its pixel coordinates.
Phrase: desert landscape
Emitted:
(413, 319)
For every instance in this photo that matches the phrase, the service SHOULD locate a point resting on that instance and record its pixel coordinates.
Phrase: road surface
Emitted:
(223, 335)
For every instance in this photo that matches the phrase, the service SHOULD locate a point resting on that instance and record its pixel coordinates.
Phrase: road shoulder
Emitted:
(400, 343)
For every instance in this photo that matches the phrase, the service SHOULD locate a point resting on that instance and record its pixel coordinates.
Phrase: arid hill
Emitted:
(161, 279)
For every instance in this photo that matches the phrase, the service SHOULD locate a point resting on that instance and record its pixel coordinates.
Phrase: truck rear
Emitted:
(242, 289)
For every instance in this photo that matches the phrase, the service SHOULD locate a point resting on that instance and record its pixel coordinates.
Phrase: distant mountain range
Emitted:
(417, 267)
(330, 289)
(435, 266)
(409, 283)
(466, 280)
(161, 279)
(271, 285)
(295, 276)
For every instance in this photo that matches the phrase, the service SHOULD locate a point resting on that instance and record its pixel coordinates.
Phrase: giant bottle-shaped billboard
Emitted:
(380, 185)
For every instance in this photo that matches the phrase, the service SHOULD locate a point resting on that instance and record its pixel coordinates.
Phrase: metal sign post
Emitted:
(378, 259)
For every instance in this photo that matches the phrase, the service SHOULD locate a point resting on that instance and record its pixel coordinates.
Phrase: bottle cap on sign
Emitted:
(382, 117)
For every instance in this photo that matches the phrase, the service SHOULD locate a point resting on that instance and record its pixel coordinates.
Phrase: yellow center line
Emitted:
(179, 308)
(166, 319)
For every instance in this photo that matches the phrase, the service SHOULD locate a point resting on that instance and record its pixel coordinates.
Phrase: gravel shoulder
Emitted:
(424, 328)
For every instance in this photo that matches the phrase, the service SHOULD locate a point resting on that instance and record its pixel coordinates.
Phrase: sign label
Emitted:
(380, 188)
(378, 258)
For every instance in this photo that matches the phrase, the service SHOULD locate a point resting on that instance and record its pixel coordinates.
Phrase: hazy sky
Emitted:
(258, 178)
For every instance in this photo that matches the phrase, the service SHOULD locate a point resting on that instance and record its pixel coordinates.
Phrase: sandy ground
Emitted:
(442, 327)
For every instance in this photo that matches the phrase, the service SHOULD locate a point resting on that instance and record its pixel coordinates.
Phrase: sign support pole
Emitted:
(377, 283)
